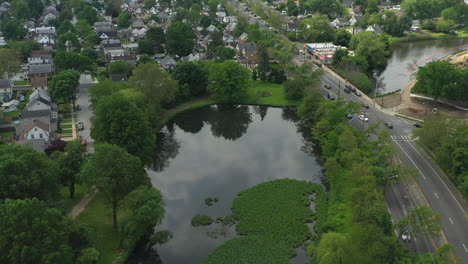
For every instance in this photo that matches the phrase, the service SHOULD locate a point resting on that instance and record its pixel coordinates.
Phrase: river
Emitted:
(405, 55)
(218, 151)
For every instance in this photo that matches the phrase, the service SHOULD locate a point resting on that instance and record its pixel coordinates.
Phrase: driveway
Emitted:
(84, 115)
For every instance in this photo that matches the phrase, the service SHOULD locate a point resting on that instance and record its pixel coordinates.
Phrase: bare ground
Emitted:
(79, 207)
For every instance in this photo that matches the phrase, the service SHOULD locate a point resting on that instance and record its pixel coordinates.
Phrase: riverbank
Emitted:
(428, 35)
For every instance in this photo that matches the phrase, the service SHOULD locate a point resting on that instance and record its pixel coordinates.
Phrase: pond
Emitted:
(217, 151)
(405, 55)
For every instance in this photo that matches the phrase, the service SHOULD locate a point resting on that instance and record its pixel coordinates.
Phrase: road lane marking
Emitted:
(465, 247)
(436, 195)
(451, 220)
(453, 196)
(411, 160)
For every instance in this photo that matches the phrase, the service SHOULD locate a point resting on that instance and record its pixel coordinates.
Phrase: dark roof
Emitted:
(39, 82)
(40, 68)
(37, 113)
(5, 83)
(248, 47)
(118, 77)
(111, 33)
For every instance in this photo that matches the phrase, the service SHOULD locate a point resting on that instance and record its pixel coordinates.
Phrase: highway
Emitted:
(431, 187)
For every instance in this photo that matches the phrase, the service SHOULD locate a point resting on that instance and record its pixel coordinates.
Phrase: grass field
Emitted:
(99, 217)
(20, 83)
(11, 114)
(80, 191)
(5, 135)
(66, 126)
(277, 97)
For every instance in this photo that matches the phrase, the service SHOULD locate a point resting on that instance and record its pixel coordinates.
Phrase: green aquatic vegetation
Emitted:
(202, 220)
(210, 201)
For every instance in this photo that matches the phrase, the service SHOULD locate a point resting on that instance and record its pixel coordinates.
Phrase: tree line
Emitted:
(355, 225)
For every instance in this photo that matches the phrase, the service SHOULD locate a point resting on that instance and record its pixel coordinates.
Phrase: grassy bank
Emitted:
(427, 35)
(80, 191)
(98, 216)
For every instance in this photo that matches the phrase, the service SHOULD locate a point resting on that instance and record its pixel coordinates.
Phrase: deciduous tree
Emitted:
(191, 74)
(179, 39)
(26, 173)
(9, 62)
(64, 85)
(115, 173)
(118, 121)
(70, 163)
(229, 81)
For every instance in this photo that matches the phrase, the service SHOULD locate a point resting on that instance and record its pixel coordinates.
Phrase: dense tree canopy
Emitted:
(70, 60)
(193, 75)
(120, 67)
(30, 232)
(124, 20)
(115, 173)
(370, 46)
(229, 81)
(26, 173)
(64, 85)
(10, 62)
(119, 121)
(441, 79)
(70, 162)
(317, 29)
(157, 38)
(179, 39)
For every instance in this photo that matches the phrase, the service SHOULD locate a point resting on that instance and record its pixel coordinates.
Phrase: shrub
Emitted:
(202, 220)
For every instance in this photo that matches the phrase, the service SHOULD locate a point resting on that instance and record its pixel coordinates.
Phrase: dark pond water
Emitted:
(397, 74)
(218, 151)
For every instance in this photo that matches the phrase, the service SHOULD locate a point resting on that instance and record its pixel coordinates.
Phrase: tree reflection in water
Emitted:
(261, 110)
(229, 121)
(167, 147)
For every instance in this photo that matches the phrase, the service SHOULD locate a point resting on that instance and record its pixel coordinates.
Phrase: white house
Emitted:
(375, 28)
(36, 130)
(10, 106)
(39, 100)
(6, 90)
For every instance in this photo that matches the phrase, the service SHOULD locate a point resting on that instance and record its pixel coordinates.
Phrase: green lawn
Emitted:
(80, 191)
(99, 217)
(66, 135)
(5, 135)
(68, 120)
(20, 83)
(66, 125)
(277, 97)
(64, 108)
(11, 114)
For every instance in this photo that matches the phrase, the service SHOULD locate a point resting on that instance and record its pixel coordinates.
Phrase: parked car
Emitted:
(405, 236)
(327, 86)
(417, 125)
(389, 125)
(358, 94)
(348, 86)
(365, 106)
(363, 118)
(80, 126)
(77, 107)
(84, 142)
(330, 96)
(317, 63)
(349, 116)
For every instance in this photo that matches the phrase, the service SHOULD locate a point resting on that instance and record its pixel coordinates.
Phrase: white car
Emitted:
(363, 118)
(406, 236)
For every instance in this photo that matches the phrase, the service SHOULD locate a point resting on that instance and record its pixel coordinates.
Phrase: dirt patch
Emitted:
(78, 208)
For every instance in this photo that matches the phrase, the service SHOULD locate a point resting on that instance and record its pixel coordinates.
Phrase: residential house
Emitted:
(230, 28)
(119, 77)
(10, 106)
(6, 90)
(354, 30)
(168, 63)
(40, 70)
(36, 130)
(348, 3)
(220, 15)
(5, 7)
(354, 19)
(120, 54)
(340, 22)
(229, 40)
(247, 54)
(415, 26)
(110, 44)
(40, 83)
(230, 19)
(137, 24)
(243, 37)
(139, 33)
(2, 42)
(375, 28)
(193, 57)
(211, 29)
(40, 100)
(45, 31)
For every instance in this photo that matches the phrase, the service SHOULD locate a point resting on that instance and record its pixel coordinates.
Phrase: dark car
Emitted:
(349, 116)
(330, 96)
(358, 94)
(80, 126)
(365, 106)
(327, 86)
(77, 107)
(347, 90)
(317, 63)
(389, 125)
(417, 125)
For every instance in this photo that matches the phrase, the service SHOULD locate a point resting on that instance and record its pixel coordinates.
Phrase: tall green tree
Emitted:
(87, 13)
(119, 121)
(30, 232)
(157, 38)
(422, 221)
(229, 81)
(20, 9)
(64, 85)
(13, 29)
(263, 63)
(10, 62)
(342, 37)
(115, 173)
(120, 67)
(70, 163)
(179, 39)
(193, 75)
(145, 47)
(370, 46)
(317, 29)
(124, 20)
(439, 79)
(158, 88)
(26, 173)
(72, 61)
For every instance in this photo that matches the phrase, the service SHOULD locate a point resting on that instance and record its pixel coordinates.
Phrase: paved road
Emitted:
(85, 114)
(437, 190)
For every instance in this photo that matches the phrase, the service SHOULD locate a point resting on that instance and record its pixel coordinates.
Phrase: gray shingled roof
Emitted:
(248, 47)
(5, 83)
(40, 68)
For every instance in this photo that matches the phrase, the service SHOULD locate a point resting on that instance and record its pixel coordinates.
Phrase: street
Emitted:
(84, 115)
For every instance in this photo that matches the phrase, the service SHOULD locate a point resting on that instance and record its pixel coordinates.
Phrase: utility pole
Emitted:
(339, 89)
